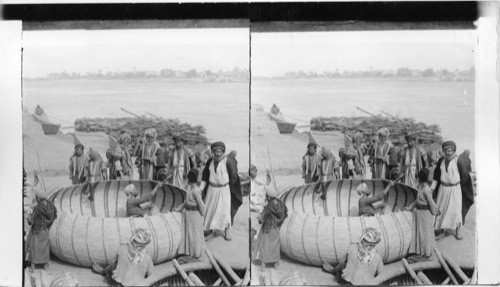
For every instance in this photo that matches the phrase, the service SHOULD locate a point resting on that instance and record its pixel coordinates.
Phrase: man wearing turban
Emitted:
(182, 160)
(41, 220)
(97, 168)
(362, 262)
(379, 155)
(258, 198)
(414, 159)
(133, 265)
(78, 165)
(455, 193)
(147, 156)
(222, 191)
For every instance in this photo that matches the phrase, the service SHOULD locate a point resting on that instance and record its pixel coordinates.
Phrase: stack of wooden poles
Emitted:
(227, 278)
(448, 264)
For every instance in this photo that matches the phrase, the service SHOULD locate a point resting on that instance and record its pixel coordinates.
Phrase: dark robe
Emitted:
(465, 185)
(234, 183)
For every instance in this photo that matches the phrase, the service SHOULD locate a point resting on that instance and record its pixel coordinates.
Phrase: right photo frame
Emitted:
(363, 156)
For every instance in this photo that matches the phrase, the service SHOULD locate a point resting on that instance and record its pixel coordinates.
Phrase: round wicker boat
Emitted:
(318, 231)
(87, 232)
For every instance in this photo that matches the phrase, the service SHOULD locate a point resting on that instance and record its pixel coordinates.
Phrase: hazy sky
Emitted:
(122, 50)
(276, 53)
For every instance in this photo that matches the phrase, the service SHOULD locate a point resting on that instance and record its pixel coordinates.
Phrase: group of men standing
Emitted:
(154, 161)
(384, 159)
(449, 174)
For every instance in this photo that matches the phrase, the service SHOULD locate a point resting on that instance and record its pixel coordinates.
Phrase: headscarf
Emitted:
(150, 133)
(232, 154)
(465, 160)
(451, 144)
(361, 189)
(93, 154)
(130, 189)
(218, 145)
(383, 131)
(372, 236)
(125, 138)
(40, 192)
(277, 209)
(271, 193)
(43, 216)
(142, 237)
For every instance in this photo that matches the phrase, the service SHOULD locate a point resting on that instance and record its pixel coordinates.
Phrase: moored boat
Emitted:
(50, 129)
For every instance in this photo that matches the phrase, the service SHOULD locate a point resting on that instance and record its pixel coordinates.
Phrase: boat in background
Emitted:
(284, 126)
(48, 127)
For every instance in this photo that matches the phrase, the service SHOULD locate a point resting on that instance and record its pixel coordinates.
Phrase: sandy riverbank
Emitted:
(285, 153)
(54, 152)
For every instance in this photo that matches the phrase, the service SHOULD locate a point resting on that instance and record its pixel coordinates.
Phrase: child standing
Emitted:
(268, 241)
(193, 240)
(423, 240)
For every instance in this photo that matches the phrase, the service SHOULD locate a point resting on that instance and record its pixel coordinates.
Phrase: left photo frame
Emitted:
(135, 152)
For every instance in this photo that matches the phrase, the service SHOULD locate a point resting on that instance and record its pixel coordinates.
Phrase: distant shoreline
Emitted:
(257, 78)
(135, 80)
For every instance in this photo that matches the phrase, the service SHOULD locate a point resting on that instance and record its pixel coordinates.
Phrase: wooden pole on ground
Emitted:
(196, 279)
(228, 268)
(411, 272)
(182, 273)
(424, 278)
(473, 278)
(216, 267)
(446, 281)
(217, 283)
(445, 266)
(455, 267)
(246, 278)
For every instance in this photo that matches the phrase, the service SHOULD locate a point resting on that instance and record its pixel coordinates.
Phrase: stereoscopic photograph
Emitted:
(136, 155)
(363, 155)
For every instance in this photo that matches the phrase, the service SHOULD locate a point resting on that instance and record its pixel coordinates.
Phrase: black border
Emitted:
(254, 12)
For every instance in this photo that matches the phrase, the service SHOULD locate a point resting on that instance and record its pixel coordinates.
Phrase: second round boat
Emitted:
(318, 231)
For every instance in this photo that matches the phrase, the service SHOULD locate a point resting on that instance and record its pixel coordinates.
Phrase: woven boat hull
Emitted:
(318, 231)
(88, 232)
(342, 198)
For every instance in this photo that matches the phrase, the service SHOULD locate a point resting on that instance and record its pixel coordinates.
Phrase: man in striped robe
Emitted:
(78, 165)
(148, 155)
(181, 162)
(379, 155)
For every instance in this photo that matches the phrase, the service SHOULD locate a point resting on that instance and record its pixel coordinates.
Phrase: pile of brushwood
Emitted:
(166, 128)
(398, 127)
